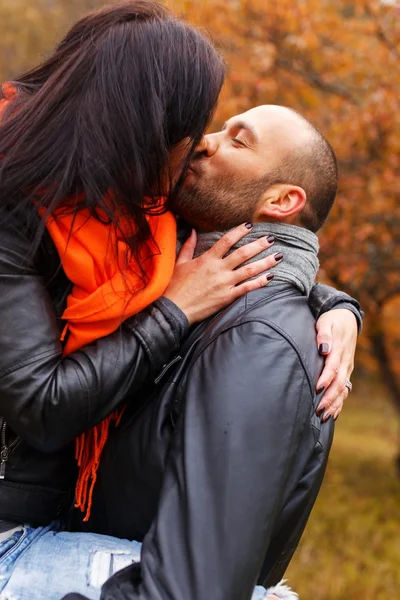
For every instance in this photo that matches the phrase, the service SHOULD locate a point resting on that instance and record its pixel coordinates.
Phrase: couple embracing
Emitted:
(167, 407)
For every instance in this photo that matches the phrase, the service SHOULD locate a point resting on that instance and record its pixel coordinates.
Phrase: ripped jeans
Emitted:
(46, 563)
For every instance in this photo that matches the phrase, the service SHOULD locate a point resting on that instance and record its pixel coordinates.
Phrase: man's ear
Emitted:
(280, 202)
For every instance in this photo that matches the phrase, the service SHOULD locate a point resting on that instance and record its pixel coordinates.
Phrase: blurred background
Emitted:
(338, 63)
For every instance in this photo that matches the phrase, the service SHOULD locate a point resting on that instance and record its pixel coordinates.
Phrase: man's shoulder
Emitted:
(280, 313)
(281, 307)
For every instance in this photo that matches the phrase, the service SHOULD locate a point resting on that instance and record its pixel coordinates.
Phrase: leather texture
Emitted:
(47, 400)
(218, 471)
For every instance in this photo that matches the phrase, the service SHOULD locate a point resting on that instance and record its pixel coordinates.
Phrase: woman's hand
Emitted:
(202, 286)
(336, 338)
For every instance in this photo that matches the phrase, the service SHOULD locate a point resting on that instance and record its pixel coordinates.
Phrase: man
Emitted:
(219, 468)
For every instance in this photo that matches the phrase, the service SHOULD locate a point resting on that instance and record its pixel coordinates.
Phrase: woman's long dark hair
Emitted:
(102, 113)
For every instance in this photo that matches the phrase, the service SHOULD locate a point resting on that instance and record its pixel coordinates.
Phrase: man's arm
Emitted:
(246, 403)
(324, 298)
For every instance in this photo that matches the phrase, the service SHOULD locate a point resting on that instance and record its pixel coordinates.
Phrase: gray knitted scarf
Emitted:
(299, 247)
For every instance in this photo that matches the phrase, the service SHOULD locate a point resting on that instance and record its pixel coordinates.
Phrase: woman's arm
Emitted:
(48, 399)
(339, 322)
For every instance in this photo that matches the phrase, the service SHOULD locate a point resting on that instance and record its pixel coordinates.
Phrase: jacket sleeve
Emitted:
(324, 298)
(245, 411)
(46, 399)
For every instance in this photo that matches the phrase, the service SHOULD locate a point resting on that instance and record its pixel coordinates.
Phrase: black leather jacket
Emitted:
(46, 401)
(219, 469)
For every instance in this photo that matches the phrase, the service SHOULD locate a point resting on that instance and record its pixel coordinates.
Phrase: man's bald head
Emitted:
(304, 158)
(268, 163)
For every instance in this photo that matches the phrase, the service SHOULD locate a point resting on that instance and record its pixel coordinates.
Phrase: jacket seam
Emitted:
(317, 433)
(25, 363)
(293, 344)
(284, 475)
(274, 327)
(143, 342)
(29, 488)
(169, 341)
(152, 356)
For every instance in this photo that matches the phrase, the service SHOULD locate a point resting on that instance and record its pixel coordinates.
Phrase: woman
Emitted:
(93, 144)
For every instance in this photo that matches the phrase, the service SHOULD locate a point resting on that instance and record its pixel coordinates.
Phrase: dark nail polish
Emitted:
(320, 389)
(320, 410)
(248, 225)
(323, 348)
(278, 256)
(326, 418)
(270, 239)
(270, 276)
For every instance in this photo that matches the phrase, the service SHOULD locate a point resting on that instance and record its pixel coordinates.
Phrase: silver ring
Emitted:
(349, 385)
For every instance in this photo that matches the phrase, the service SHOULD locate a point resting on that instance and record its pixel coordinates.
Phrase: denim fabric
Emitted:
(46, 563)
(259, 593)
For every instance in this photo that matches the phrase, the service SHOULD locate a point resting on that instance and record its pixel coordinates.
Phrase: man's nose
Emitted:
(208, 145)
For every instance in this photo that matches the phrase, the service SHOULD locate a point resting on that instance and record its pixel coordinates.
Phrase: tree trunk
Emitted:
(388, 374)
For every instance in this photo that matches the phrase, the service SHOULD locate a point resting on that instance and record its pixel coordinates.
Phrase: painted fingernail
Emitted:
(278, 256)
(326, 417)
(323, 348)
(320, 410)
(320, 389)
(270, 239)
(248, 225)
(269, 277)
(335, 416)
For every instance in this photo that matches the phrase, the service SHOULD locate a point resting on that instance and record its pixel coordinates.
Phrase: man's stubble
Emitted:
(220, 204)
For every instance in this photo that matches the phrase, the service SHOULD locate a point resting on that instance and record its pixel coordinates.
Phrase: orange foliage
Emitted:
(337, 62)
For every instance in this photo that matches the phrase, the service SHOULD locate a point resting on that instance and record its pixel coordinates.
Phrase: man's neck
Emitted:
(298, 245)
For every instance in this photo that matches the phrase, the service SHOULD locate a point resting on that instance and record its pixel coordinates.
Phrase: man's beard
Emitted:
(218, 205)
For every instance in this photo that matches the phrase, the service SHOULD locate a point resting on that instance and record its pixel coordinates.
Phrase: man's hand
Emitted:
(336, 339)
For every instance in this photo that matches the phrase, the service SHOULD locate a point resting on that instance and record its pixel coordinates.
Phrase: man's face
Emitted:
(229, 172)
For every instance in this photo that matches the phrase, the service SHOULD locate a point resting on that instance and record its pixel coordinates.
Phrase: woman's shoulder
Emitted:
(24, 243)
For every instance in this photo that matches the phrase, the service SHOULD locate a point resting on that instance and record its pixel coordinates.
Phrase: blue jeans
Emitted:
(46, 563)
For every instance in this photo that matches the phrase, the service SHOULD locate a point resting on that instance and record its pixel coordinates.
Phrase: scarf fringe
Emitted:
(88, 450)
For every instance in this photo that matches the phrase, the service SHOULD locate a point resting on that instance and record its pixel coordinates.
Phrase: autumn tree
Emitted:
(337, 62)
(30, 28)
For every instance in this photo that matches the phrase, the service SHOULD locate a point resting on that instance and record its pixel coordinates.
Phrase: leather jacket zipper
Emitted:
(5, 450)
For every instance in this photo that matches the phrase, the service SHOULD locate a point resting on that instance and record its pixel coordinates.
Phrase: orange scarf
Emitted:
(103, 296)
(107, 289)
